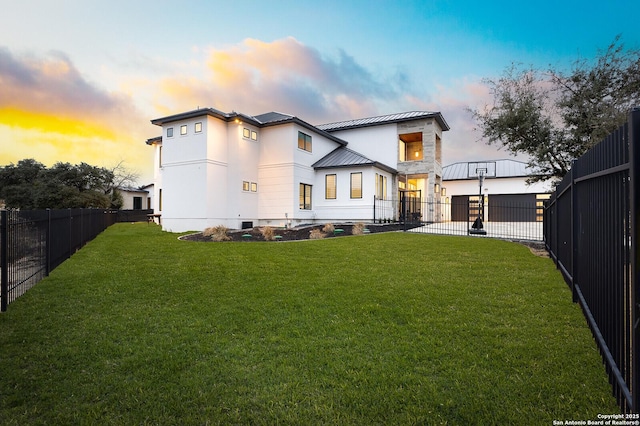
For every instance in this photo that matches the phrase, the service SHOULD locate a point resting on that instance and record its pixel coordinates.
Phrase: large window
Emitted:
(137, 203)
(356, 185)
(305, 196)
(410, 147)
(330, 187)
(304, 141)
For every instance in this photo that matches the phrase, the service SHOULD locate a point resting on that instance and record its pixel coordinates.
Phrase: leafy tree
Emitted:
(30, 185)
(555, 116)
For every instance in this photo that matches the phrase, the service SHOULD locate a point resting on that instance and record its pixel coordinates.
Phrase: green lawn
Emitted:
(396, 328)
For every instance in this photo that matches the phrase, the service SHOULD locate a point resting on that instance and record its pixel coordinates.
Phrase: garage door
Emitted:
(512, 208)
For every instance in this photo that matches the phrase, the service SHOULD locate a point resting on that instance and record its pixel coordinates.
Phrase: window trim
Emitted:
(183, 130)
(334, 186)
(307, 142)
(353, 190)
(306, 191)
(197, 127)
(169, 132)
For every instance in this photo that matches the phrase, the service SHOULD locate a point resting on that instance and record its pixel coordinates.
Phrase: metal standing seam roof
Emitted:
(344, 157)
(504, 169)
(384, 119)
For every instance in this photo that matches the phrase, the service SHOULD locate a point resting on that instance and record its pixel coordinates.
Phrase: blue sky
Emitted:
(80, 80)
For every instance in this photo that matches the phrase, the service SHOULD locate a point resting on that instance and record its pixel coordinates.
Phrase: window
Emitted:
(381, 187)
(170, 132)
(305, 196)
(356, 185)
(198, 127)
(160, 156)
(183, 129)
(330, 187)
(137, 203)
(160, 199)
(254, 187)
(304, 141)
(254, 135)
(410, 147)
(245, 133)
(245, 185)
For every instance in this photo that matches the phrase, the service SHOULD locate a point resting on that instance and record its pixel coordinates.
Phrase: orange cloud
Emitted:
(284, 75)
(47, 122)
(49, 112)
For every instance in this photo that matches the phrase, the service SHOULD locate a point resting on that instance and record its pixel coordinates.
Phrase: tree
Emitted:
(553, 116)
(30, 185)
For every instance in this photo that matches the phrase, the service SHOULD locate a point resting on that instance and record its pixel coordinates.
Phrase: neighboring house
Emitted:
(136, 198)
(507, 195)
(215, 168)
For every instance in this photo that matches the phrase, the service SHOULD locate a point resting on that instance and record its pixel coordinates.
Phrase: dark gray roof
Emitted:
(384, 119)
(503, 169)
(344, 157)
(271, 117)
(262, 120)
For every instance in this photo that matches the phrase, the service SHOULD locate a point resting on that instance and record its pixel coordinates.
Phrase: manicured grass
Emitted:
(140, 328)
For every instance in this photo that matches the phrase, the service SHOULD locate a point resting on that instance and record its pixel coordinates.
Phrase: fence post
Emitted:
(634, 173)
(4, 263)
(575, 230)
(47, 267)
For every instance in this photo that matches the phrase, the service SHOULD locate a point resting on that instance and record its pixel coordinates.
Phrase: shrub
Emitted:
(268, 233)
(316, 234)
(217, 233)
(358, 229)
(328, 228)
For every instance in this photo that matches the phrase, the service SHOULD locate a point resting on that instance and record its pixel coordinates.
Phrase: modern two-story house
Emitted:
(215, 168)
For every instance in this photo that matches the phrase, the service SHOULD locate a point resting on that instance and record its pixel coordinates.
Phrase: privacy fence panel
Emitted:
(34, 242)
(591, 232)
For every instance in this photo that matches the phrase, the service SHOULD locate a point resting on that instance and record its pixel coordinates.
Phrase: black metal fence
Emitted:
(34, 242)
(591, 232)
(457, 215)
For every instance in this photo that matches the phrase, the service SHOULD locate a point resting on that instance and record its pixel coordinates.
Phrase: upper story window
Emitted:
(249, 134)
(170, 132)
(304, 141)
(410, 147)
(198, 127)
(183, 129)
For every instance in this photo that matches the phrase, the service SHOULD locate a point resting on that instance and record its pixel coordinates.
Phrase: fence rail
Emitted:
(591, 230)
(504, 219)
(34, 242)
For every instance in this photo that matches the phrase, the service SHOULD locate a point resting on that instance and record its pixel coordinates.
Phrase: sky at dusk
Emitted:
(80, 80)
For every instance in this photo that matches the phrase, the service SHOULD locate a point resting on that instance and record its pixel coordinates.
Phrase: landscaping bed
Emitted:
(297, 233)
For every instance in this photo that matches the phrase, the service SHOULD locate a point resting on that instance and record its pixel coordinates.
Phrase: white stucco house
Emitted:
(137, 198)
(216, 168)
(507, 195)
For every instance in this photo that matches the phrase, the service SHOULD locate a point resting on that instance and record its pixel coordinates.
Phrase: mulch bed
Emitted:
(293, 234)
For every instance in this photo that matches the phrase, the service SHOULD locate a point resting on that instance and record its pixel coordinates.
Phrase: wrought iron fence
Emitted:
(591, 232)
(34, 242)
(459, 216)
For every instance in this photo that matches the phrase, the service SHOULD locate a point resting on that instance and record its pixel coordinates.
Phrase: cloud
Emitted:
(50, 112)
(284, 75)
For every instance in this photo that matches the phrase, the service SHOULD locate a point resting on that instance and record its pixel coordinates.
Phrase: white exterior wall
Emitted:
(345, 208)
(282, 167)
(379, 143)
(493, 186)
